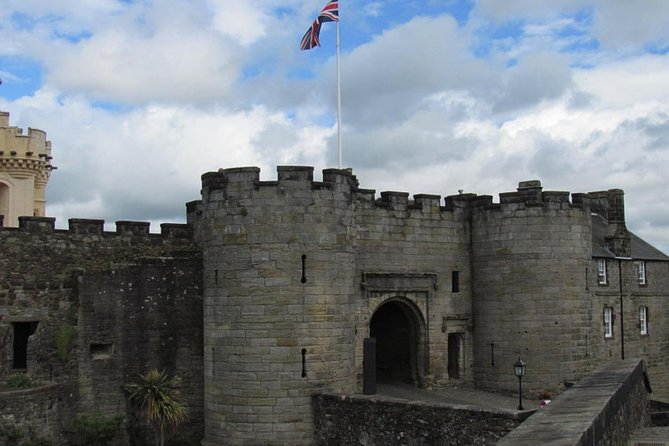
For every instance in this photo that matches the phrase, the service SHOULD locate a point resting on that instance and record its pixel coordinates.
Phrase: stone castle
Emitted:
(272, 289)
(25, 166)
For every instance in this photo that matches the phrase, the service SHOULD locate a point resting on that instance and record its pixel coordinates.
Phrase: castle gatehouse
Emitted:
(276, 290)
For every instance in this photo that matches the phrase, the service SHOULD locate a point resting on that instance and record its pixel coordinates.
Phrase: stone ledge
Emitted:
(596, 411)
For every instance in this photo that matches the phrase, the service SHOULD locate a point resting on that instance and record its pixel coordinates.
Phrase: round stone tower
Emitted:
(278, 318)
(25, 166)
(531, 254)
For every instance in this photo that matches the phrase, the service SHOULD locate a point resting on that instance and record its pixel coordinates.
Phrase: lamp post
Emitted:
(519, 371)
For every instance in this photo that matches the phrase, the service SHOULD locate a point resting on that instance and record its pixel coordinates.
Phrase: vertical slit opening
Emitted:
(455, 281)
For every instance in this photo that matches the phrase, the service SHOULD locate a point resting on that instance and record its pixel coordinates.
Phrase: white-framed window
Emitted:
(641, 272)
(608, 322)
(602, 277)
(643, 320)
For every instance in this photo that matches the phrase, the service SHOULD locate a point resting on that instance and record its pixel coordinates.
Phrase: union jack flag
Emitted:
(329, 14)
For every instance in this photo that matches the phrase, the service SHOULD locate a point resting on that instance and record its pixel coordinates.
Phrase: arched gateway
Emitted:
(399, 329)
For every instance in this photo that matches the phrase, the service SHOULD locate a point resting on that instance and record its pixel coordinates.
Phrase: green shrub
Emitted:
(64, 340)
(97, 429)
(19, 381)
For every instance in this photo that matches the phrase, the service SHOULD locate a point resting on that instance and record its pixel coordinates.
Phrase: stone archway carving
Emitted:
(409, 294)
(399, 330)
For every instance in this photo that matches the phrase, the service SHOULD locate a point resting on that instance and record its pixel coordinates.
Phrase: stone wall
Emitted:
(625, 297)
(288, 276)
(102, 307)
(296, 271)
(35, 413)
(407, 252)
(603, 409)
(279, 276)
(134, 318)
(529, 254)
(359, 420)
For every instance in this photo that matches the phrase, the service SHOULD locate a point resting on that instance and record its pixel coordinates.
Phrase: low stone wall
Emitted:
(35, 412)
(359, 420)
(603, 409)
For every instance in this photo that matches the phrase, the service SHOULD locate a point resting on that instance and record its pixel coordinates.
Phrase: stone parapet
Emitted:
(603, 409)
(82, 226)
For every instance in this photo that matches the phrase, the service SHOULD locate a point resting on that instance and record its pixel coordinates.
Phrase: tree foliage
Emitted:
(156, 396)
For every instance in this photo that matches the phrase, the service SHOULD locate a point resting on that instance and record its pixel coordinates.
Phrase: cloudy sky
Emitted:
(140, 97)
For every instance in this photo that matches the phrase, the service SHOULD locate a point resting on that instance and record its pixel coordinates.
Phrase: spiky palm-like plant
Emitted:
(156, 396)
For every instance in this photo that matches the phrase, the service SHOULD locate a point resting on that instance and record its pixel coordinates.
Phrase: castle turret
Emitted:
(25, 166)
(278, 321)
(530, 253)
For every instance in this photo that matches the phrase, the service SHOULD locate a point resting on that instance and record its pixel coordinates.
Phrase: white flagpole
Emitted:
(338, 101)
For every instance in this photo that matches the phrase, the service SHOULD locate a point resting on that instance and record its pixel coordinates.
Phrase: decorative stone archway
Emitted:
(404, 297)
(398, 328)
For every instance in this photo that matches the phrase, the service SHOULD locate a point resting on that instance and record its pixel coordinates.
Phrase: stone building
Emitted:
(25, 166)
(272, 289)
(297, 273)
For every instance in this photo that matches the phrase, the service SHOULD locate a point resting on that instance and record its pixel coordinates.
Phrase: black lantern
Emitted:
(519, 371)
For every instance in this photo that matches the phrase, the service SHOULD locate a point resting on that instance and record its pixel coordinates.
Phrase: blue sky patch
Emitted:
(20, 76)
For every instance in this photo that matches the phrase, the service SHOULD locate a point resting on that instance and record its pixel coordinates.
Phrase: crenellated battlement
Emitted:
(24, 152)
(242, 182)
(530, 194)
(25, 167)
(80, 226)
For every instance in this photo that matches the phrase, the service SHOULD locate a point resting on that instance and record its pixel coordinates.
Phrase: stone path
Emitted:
(462, 395)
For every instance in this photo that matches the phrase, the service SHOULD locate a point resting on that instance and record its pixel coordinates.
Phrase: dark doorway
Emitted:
(395, 343)
(454, 340)
(22, 331)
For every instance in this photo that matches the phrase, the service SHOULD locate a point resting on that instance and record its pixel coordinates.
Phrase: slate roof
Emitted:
(641, 249)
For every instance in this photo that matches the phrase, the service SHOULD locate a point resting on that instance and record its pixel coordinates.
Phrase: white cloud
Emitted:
(510, 9)
(620, 23)
(423, 110)
(245, 21)
(537, 77)
(146, 164)
(614, 140)
(136, 69)
(633, 80)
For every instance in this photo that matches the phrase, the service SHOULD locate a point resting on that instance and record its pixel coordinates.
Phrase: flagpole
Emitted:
(338, 101)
